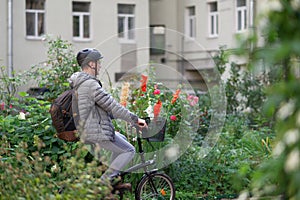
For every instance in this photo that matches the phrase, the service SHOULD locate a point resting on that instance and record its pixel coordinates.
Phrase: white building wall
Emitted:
(171, 13)
(58, 23)
(3, 32)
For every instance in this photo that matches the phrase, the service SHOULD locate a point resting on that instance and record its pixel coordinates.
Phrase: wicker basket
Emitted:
(69, 136)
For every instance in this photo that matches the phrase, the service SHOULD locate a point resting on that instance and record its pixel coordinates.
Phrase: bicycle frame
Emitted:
(144, 164)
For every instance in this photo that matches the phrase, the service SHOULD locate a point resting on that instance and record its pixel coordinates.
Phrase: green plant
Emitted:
(279, 175)
(25, 175)
(228, 168)
(54, 73)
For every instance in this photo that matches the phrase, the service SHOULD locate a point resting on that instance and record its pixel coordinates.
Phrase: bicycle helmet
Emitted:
(86, 55)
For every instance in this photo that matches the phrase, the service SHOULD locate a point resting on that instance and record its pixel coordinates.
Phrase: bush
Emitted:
(228, 168)
(25, 175)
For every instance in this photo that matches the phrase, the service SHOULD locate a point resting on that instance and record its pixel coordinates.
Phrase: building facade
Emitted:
(178, 36)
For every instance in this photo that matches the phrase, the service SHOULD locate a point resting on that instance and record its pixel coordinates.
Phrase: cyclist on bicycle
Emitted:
(94, 110)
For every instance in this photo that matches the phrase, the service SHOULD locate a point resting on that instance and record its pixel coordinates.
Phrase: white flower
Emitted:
(54, 168)
(292, 162)
(296, 4)
(291, 137)
(298, 119)
(286, 110)
(172, 152)
(243, 196)
(21, 116)
(272, 5)
(279, 148)
(149, 111)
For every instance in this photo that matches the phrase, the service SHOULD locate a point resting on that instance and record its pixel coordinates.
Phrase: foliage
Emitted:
(279, 175)
(244, 89)
(33, 175)
(35, 163)
(54, 73)
(227, 169)
(49, 163)
(8, 87)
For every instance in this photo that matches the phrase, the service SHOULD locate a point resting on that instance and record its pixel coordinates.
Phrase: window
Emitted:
(35, 18)
(213, 19)
(126, 22)
(241, 15)
(191, 22)
(81, 20)
(157, 40)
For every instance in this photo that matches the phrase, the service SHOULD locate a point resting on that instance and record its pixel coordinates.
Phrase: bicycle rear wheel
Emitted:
(155, 186)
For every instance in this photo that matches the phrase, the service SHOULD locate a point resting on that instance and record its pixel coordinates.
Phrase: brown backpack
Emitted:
(62, 116)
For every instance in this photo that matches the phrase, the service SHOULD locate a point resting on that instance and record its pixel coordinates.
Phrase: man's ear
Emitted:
(91, 64)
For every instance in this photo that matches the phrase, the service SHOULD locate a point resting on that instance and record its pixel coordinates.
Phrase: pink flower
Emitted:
(173, 118)
(156, 91)
(2, 106)
(193, 100)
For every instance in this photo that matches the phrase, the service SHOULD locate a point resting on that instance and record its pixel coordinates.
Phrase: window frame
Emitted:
(81, 24)
(155, 49)
(213, 21)
(241, 17)
(190, 23)
(125, 21)
(36, 13)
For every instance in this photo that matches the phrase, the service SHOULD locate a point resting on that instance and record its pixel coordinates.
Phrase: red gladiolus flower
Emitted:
(144, 83)
(157, 108)
(173, 118)
(175, 96)
(156, 91)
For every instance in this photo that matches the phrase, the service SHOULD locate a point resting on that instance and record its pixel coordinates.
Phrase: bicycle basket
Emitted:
(156, 130)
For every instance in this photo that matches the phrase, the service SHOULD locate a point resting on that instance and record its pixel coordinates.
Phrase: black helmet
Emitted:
(86, 55)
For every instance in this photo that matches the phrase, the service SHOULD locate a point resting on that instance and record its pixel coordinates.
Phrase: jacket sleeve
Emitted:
(110, 105)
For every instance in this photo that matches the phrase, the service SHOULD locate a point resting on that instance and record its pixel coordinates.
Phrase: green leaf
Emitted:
(23, 94)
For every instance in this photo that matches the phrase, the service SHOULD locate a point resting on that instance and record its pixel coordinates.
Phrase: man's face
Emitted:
(98, 64)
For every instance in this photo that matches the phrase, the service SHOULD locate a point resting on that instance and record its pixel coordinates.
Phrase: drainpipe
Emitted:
(251, 21)
(10, 38)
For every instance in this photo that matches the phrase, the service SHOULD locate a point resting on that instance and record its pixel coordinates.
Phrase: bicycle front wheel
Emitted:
(155, 186)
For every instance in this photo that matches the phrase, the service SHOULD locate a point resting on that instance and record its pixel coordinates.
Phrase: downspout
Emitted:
(10, 39)
(251, 21)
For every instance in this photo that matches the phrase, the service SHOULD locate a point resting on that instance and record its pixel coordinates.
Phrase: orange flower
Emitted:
(175, 96)
(163, 192)
(144, 83)
(124, 94)
(157, 108)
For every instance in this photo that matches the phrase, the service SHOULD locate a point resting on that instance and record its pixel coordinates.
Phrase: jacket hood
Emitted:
(78, 77)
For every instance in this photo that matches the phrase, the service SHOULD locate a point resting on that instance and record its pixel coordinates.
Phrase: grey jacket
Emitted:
(93, 109)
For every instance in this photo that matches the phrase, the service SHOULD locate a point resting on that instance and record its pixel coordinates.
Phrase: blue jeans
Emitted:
(122, 153)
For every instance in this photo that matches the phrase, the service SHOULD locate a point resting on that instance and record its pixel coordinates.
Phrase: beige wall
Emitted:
(3, 32)
(171, 13)
(58, 22)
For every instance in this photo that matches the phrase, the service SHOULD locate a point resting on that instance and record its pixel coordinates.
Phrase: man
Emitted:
(94, 109)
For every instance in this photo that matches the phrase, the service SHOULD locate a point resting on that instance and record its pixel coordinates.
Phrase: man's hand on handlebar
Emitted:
(142, 123)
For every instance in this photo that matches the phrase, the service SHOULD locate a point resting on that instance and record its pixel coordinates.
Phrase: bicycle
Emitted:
(153, 184)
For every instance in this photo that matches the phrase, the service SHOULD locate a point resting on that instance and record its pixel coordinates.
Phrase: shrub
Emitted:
(25, 175)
